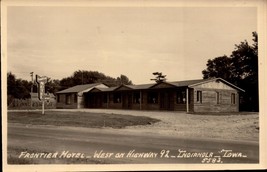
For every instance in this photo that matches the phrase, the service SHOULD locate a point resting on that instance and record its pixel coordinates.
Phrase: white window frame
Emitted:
(199, 96)
(217, 97)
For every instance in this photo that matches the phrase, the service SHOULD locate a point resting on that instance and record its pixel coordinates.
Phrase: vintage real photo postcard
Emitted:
(133, 85)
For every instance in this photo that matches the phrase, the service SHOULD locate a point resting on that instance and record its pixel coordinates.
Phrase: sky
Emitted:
(133, 41)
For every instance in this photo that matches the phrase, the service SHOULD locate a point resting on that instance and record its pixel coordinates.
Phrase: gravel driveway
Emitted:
(242, 126)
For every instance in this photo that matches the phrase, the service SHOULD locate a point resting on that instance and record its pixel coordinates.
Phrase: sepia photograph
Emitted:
(133, 85)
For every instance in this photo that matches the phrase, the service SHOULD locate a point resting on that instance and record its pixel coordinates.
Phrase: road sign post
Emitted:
(41, 89)
(31, 87)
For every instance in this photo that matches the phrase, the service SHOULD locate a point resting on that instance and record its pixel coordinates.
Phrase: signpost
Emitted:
(31, 88)
(41, 89)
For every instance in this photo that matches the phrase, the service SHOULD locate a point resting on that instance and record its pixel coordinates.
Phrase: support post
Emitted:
(187, 100)
(43, 107)
(31, 88)
(107, 99)
(140, 100)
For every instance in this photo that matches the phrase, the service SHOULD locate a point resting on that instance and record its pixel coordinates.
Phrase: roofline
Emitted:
(142, 88)
(163, 82)
(153, 85)
(93, 89)
(217, 79)
(101, 90)
(65, 92)
(101, 83)
(98, 83)
(202, 82)
(121, 86)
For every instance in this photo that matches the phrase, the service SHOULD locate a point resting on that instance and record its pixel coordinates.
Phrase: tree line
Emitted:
(240, 69)
(20, 89)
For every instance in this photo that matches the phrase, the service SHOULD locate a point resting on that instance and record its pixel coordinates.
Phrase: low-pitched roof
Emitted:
(216, 79)
(78, 88)
(187, 83)
(107, 89)
(140, 87)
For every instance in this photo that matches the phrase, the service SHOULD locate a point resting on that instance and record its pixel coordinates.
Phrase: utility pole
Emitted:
(31, 88)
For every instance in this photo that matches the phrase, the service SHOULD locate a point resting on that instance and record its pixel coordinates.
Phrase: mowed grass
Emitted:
(79, 119)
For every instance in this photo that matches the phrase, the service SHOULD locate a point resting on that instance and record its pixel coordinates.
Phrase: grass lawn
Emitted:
(79, 119)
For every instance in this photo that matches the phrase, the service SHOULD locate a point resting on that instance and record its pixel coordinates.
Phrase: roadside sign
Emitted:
(41, 89)
(41, 86)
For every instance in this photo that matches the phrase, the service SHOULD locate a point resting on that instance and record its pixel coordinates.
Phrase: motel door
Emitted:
(166, 102)
(94, 101)
(126, 101)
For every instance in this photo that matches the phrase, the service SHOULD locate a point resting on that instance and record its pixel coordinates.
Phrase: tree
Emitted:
(17, 88)
(66, 83)
(11, 84)
(20, 89)
(218, 67)
(241, 69)
(245, 65)
(124, 80)
(158, 77)
(87, 77)
(52, 86)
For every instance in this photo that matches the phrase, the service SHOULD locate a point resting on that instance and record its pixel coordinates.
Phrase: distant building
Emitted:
(204, 95)
(73, 97)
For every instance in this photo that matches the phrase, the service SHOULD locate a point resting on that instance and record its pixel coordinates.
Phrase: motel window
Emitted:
(136, 97)
(117, 98)
(58, 98)
(218, 97)
(233, 98)
(199, 96)
(68, 97)
(105, 98)
(152, 97)
(181, 97)
(75, 98)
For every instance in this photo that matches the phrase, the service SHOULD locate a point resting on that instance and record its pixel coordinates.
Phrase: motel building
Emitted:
(204, 95)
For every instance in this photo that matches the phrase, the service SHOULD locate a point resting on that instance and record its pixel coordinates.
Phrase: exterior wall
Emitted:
(136, 106)
(160, 104)
(62, 103)
(182, 106)
(214, 85)
(98, 86)
(209, 101)
(113, 105)
(148, 106)
(191, 104)
(80, 101)
(168, 98)
(81, 97)
(104, 106)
